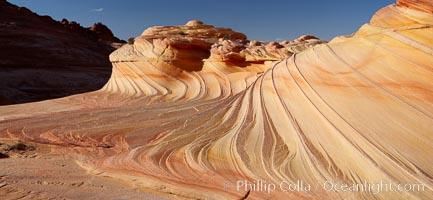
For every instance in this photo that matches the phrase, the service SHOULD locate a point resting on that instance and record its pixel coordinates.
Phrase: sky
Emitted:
(266, 20)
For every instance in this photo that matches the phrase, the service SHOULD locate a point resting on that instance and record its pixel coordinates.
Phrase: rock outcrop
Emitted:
(162, 61)
(41, 58)
(104, 33)
(184, 47)
(421, 5)
(256, 51)
(353, 111)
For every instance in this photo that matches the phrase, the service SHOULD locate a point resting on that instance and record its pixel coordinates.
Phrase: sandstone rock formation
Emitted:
(182, 46)
(422, 5)
(175, 62)
(355, 110)
(41, 58)
(104, 33)
(256, 51)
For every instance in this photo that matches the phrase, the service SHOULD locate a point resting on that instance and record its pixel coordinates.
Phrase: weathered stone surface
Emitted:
(355, 110)
(422, 5)
(41, 58)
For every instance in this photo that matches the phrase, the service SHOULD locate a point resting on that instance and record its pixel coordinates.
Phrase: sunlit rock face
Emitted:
(255, 51)
(182, 46)
(355, 110)
(422, 5)
(194, 61)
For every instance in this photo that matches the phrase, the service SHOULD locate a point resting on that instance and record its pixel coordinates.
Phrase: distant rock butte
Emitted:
(30, 39)
(41, 58)
(192, 113)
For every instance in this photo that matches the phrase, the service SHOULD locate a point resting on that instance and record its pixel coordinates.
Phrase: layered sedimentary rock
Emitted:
(422, 5)
(257, 51)
(193, 61)
(356, 110)
(41, 58)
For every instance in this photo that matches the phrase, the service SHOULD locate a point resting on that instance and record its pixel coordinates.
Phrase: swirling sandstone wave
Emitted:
(356, 109)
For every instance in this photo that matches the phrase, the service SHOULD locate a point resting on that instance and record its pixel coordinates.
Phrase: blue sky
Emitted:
(259, 19)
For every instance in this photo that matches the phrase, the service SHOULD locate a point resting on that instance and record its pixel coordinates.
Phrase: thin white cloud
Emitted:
(97, 10)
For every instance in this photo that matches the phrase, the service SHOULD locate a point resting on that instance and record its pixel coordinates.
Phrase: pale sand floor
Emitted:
(43, 174)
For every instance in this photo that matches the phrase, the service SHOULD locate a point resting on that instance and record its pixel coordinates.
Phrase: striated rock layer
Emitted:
(356, 110)
(193, 61)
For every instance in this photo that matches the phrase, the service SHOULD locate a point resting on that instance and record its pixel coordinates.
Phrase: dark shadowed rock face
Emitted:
(104, 33)
(41, 58)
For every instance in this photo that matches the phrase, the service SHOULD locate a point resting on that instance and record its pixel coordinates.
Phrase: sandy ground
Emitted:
(30, 171)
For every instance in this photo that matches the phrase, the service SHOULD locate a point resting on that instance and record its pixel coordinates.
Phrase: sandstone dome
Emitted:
(194, 23)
